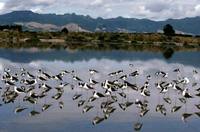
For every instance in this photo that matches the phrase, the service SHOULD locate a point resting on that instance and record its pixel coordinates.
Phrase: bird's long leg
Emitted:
(127, 94)
(97, 108)
(91, 76)
(175, 98)
(164, 95)
(19, 99)
(33, 106)
(45, 100)
(185, 99)
(135, 80)
(72, 83)
(138, 115)
(168, 93)
(186, 106)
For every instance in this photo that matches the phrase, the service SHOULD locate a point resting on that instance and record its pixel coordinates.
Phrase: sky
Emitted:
(150, 9)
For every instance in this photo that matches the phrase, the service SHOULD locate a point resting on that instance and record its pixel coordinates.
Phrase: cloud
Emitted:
(157, 7)
(33, 5)
(1, 6)
(152, 9)
(197, 8)
(96, 2)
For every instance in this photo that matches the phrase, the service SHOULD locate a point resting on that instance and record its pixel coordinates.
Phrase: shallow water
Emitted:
(71, 118)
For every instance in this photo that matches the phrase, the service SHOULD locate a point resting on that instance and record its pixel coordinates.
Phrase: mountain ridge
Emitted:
(118, 24)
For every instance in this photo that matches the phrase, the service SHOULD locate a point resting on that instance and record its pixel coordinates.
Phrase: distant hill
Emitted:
(35, 26)
(54, 22)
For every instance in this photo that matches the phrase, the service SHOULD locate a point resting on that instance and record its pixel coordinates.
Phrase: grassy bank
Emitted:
(80, 40)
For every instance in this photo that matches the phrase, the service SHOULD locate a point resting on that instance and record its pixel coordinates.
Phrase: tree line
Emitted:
(11, 27)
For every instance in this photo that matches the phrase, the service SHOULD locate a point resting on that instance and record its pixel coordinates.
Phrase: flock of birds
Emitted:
(107, 95)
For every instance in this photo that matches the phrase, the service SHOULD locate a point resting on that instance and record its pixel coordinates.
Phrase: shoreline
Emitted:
(98, 41)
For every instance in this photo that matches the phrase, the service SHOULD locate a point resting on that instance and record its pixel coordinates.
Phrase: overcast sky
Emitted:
(152, 9)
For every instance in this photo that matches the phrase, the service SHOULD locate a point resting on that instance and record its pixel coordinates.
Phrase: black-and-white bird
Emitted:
(112, 74)
(93, 71)
(167, 100)
(81, 102)
(148, 77)
(122, 94)
(41, 78)
(198, 89)
(46, 106)
(33, 95)
(97, 120)
(9, 83)
(44, 85)
(98, 95)
(145, 92)
(19, 90)
(134, 74)
(77, 78)
(138, 126)
(124, 77)
(175, 108)
(122, 106)
(183, 100)
(177, 88)
(87, 87)
(29, 82)
(61, 104)
(57, 96)
(46, 75)
(34, 113)
(76, 96)
(132, 86)
(176, 70)
(198, 94)
(91, 99)
(119, 72)
(31, 76)
(186, 94)
(143, 112)
(93, 82)
(19, 109)
(58, 77)
(198, 106)
(185, 116)
(197, 113)
(87, 108)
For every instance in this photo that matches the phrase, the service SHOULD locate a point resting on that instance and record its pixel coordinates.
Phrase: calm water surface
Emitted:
(71, 118)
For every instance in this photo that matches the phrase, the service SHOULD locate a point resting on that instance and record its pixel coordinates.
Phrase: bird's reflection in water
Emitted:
(157, 92)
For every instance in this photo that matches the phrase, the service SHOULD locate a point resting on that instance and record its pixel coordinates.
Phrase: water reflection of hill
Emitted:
(184, 57)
